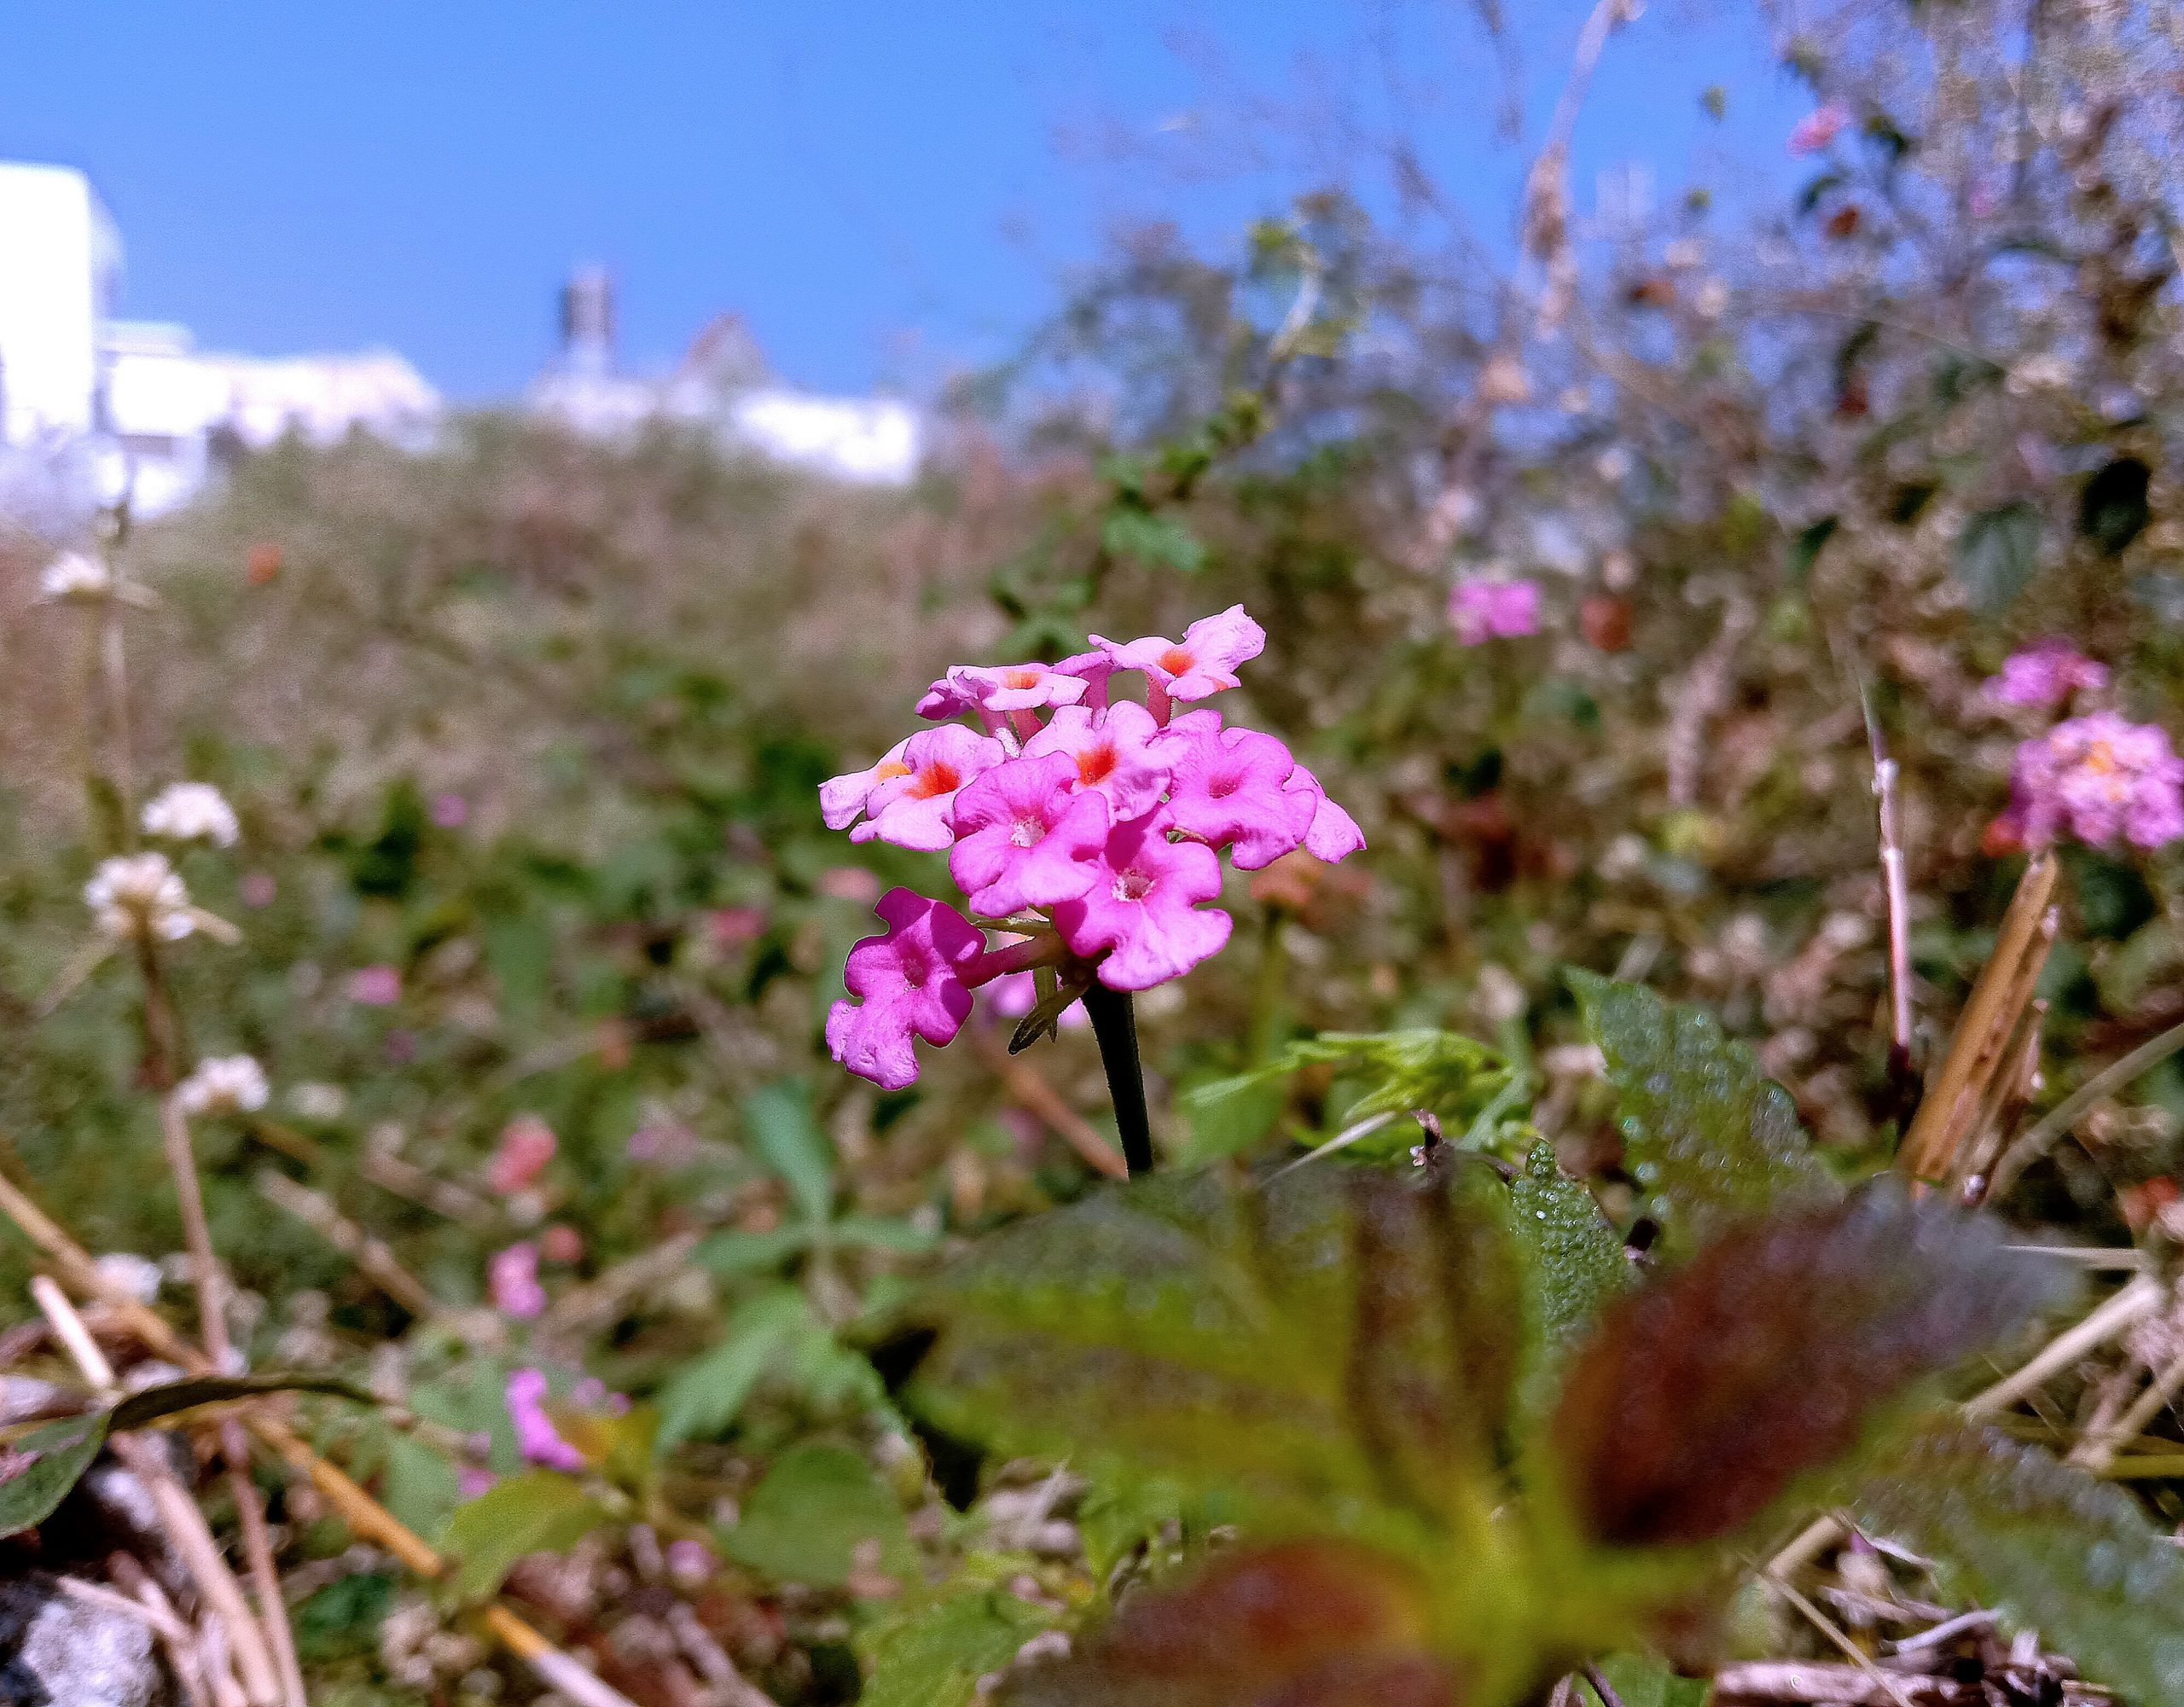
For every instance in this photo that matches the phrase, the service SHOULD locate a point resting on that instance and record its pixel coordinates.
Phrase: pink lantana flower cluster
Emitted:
(1482, 608)
(1090, 829)
(2044, 676)
(2102, 778)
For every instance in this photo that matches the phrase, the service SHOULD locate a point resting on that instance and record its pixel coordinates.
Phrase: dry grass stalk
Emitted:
(2040, 1136)
(373, 1258)
(1948, 1115)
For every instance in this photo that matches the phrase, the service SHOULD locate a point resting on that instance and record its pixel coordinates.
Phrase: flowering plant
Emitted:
(1089, 830)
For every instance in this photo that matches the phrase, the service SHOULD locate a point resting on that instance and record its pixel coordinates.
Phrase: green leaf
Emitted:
(808, 1517)
(421, 1487)
(777, 1119)
(1643, 1683)
(343, 1618)
(1219, 1335)
(2049, 1547)
(41, 1466)
(1996, 553)
(1806, 549)
(538, 1512)
(1157, 540)
(1576, 1264)
(1423, 1068)
(753, 1253)
(149, 1404)
(882, 1233)
(706, 1395)
(1701, 1398)
(1707, 1137)
(936, 1658)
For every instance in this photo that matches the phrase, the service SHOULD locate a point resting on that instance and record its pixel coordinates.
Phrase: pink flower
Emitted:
(560, 1242)
(1481, 609)
(1093, 668)
(1143, 905)
(1227, 790)
(2102, 778)
(470, 1481)
(527, 1145)
(1817, 128)
(375, 986)
(1005, 687)
(912, 985)
(2045, 675)
(512, 1278)
(912, 808)
(450, 811)
(1114, 754)
(536, 1436)
(1329, 833)
(1200, 665)
(1022, 836)
(842, 798)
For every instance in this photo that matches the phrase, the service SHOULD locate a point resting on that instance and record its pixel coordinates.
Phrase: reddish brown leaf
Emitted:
(1700, 1398)
(1302, 1624)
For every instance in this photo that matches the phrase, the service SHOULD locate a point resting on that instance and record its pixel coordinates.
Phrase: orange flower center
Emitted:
(1019, 678)
(936, 779)
(1095, 764)
(889, 770)
(2100, 757)
(1176, 660)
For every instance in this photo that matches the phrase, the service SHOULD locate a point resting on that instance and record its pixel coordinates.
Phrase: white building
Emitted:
(721, 384)
(73, 376)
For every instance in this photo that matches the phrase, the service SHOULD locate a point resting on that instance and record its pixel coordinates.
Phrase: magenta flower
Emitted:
(1817, 128)
(536, 1438)
(1092, 668)
(1143, 906)
(1200, 665)
(1329, 833)
(913, 808)
(1227, 790)
(911, 981)
(1022, 836)
(1108, 818)
(1481, 609)
(1114, 752)
(450, 811)
(2102, 778)
(512, 1278)
(527, 1145)
(842, 798)
(2044, 676)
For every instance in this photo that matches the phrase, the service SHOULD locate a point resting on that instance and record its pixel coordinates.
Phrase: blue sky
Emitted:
(886, 192)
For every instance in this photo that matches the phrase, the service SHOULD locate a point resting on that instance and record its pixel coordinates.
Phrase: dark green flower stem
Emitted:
(1114, 1022)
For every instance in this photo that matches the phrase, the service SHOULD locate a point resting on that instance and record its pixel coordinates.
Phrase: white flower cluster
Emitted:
(223, 1084)
(135, 896)
(192, 812)
(75, 576)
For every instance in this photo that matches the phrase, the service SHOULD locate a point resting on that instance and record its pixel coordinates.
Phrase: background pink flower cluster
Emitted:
(1095, 824)
(2100, 777)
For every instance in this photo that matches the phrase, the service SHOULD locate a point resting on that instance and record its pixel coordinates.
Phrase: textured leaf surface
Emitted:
(936, 1658)
(1701, 1397)
(1221, 1335)
(2052, 1548)
(1996, 554)
(1576, 1262)
(1709, 1138)
(1309, 1625)
(41, 1466)
(809, 1516)
(538, 1512)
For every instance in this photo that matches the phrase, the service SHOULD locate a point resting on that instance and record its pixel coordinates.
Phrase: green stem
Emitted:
(1114, 1022)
